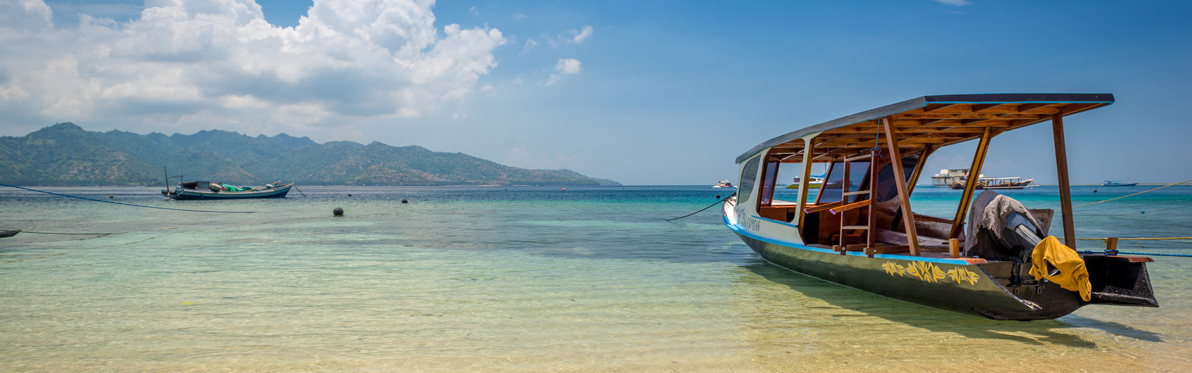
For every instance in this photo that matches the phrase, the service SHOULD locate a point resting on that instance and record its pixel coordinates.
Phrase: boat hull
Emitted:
(948, 284)
(193, 194)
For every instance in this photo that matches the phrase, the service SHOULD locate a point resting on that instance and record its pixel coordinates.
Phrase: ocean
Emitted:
(521, 279)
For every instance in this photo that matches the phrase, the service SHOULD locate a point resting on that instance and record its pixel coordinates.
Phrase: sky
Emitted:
(641, 92)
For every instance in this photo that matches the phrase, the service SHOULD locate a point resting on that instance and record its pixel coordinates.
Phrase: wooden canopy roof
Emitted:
(929, 120)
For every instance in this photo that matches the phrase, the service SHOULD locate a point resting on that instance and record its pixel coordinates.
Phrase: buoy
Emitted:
(717, 196)
(111, 196)
(349, 194)
(564, 189)
(337, 211)
(403, 200)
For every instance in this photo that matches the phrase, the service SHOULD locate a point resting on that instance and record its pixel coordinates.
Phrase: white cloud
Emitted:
(519, 157)
(578, 36)
(474, 11)
(565, 66)
(209, 62)
(955, 2)
(530, 44)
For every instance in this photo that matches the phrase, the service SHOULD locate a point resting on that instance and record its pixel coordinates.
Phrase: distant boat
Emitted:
(190, 190)
(209, 190)
(813, 181)
(997, 183)
(947, 177)
(1117, 183)
(723, 184)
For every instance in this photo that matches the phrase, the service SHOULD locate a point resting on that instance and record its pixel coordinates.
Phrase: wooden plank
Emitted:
(1061, 165)
(866, 192)
(854, 227)
(822, 207)
(971, 184)
(851, 206)
(904, 197)
(953, 248)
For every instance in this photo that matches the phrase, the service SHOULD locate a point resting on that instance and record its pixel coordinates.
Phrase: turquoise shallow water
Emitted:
(493, 278)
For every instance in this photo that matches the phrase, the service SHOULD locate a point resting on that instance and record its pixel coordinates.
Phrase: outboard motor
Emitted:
(1001, 228)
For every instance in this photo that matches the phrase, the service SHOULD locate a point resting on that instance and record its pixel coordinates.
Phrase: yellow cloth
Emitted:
(1072, 274)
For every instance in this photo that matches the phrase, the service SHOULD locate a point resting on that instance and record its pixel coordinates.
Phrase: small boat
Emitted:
(1000, 263)
(190, 190)
(4, 234)
(814, 181)
(212, 190)
(1117, 183)
(723, 184)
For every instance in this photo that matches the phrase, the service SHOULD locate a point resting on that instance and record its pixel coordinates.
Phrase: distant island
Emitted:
(65, 154)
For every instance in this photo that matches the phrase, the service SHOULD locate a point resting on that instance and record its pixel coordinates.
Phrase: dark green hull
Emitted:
(942, 283)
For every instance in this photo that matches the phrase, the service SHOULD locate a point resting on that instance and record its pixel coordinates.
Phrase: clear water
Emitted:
(529, 279)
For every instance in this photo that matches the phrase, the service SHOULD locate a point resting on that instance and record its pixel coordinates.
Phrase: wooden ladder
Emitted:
(845, 207)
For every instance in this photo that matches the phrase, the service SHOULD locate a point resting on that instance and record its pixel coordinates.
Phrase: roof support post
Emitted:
(927, 150)
(805, 180)
(904, 196)
(1061, 166)
(970, 185)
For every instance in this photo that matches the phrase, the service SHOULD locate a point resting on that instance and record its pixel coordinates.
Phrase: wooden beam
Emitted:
(927, 150)
(874, 165)
(804, 182)
(971, 184)
(1061, 165)
(904, 196)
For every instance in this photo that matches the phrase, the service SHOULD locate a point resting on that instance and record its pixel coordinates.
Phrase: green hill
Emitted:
(67, 155)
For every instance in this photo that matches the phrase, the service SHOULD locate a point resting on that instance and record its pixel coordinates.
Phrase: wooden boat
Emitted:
(191, 190)
(1117, 183)
(996, 183)
(864, 234)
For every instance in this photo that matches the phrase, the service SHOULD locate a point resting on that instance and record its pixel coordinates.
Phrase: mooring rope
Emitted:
(705, 208)
(64, 233)
(1135, 194)
(122, 203)
(1134, 253)
(1136, 238)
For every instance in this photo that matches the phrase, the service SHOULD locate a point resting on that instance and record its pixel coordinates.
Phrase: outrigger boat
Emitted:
(864, 234)
(191, 190)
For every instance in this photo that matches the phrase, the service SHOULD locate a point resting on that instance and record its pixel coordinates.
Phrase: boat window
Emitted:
(748, 177)
(834, 184)
(886, 187)
(768, 183)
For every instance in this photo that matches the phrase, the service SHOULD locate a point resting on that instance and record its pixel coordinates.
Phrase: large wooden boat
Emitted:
(863, 232)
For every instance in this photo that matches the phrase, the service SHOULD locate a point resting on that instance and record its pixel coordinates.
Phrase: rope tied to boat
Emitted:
(705, 208)
(123, 203)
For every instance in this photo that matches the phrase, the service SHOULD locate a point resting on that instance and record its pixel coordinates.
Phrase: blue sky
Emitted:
(665, 92)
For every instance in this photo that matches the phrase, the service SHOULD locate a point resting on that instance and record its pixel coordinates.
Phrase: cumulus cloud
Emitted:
(955, 2)
(210, 62)
(565, 66)
(578, 36)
